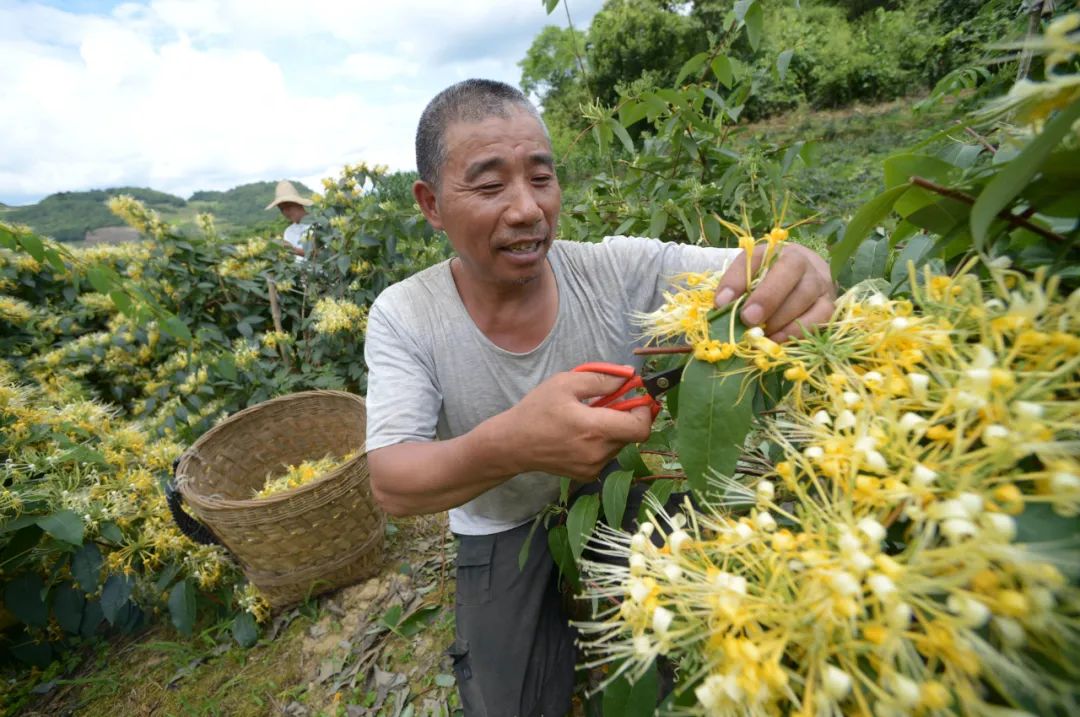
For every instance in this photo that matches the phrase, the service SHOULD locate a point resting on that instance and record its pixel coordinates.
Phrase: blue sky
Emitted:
(182, 95)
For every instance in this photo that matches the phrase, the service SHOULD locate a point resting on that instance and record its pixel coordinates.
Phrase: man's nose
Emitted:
(524, 210)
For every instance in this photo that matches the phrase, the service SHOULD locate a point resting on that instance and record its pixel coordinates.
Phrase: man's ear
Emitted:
(429, 205)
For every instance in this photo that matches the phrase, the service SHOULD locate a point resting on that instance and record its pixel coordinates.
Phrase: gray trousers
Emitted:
(514, 650)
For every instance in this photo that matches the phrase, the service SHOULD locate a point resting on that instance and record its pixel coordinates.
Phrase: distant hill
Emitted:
(71, 216)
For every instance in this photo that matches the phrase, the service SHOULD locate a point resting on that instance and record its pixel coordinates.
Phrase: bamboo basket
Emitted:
(301, 542)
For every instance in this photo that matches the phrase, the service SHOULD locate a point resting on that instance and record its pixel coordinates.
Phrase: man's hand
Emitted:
(551, 430)
(797, 292)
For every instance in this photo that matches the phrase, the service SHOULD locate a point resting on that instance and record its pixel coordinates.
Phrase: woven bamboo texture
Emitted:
(301, 542)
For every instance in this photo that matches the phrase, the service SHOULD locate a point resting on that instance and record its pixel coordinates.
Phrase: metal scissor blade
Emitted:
(658, 384)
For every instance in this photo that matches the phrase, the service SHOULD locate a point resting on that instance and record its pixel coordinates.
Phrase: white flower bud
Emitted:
(972, 502)
(814, 452)
(972, 612)
(899, 323)
(865, 444)
(872, 378)
(678, 520)
(639, 590)
(873, 529)
(677, 540)
(755, 333)
(899, 615)
(1011, 632)
(876, 462)
(881, 586)
(765, 490)
(979, 376)
(822, 418)
(911, 422)
(638, 543)
(844, 583)
(849, 542)
(956, 529)
(765, 522)
(947, 509)
(861, 561)
(836, 682)
(845, 420)
(673, 572)
(905, 690)
(1028, 409)
(1064, 482)
(922, 475)
(661, 620)
(646, 528)
(744, 531)
(919, 383)
(638, 564)
(851, 398)
(999, 525)
(876, 301)
(968, 400)
(994, 433)
(643, 646)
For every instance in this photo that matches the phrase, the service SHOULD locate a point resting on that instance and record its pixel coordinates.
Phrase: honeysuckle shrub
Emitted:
(885, 513)
(118, 357)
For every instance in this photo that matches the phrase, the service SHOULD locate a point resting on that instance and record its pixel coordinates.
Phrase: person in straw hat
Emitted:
(293, 208)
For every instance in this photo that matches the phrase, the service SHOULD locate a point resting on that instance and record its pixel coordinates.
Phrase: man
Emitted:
(293, 208)
(470, 404)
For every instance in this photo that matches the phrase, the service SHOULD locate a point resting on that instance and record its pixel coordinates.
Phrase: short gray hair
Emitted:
(468, 101)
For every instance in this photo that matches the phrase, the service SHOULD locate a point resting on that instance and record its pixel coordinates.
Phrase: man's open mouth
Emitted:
(524, 247)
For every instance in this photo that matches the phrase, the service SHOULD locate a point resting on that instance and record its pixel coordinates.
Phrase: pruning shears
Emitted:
(654, 386)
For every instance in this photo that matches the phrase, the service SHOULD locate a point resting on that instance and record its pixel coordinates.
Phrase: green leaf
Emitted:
(715, 414)
(550, 5)
(564, 490)
(63, 525)
(99, 279)
(244, 630)
(1012, 179)
(721, 67)
(523, 553)
(32, 244)
(175, 327)
(226, 367)
(868, 216)
(616, 490)
(415, 621)
(623, 698)
(122, 301)
(182, 606)
(691, 66)
(559, 545)
(916, 250)
(622, 134)
(870, 261)
(900, 168)
(392, 616)
(581, 521)
(68, 606)
(657, 223)
(755, 18)
(782, 62)
(114, 596)
(1040, 524)
(22, 596)
(629, 459)
(86, 567)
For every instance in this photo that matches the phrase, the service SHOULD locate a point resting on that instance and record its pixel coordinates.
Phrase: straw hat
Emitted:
(286, 192)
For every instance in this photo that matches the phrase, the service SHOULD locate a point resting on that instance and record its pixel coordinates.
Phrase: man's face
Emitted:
(292, 211)
(498, 199)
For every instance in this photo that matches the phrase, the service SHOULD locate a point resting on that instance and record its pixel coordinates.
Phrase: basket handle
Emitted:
(188, 526)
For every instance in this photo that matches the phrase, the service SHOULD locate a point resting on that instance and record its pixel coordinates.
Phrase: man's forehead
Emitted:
(515, 124)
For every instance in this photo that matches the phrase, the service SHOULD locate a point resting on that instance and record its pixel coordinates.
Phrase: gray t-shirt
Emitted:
(432, 374)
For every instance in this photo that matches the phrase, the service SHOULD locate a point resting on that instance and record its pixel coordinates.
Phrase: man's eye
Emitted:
(542, 179)
(492, 187)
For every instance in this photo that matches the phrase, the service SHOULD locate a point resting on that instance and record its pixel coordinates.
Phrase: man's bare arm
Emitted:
(550, 430)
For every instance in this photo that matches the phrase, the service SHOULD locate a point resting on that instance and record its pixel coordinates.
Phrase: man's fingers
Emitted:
(820, 312)
(799, 301)
(783, 277)
(589, 384)
(631, 426)
(733, 282)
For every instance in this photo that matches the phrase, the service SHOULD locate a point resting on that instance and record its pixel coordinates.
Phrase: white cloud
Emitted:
(195, 94)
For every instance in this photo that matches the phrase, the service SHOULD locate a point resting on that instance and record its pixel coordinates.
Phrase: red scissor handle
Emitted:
(632, 381)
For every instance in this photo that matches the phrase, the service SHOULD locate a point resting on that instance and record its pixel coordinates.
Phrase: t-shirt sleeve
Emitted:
(403, 399)
(646, 266)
